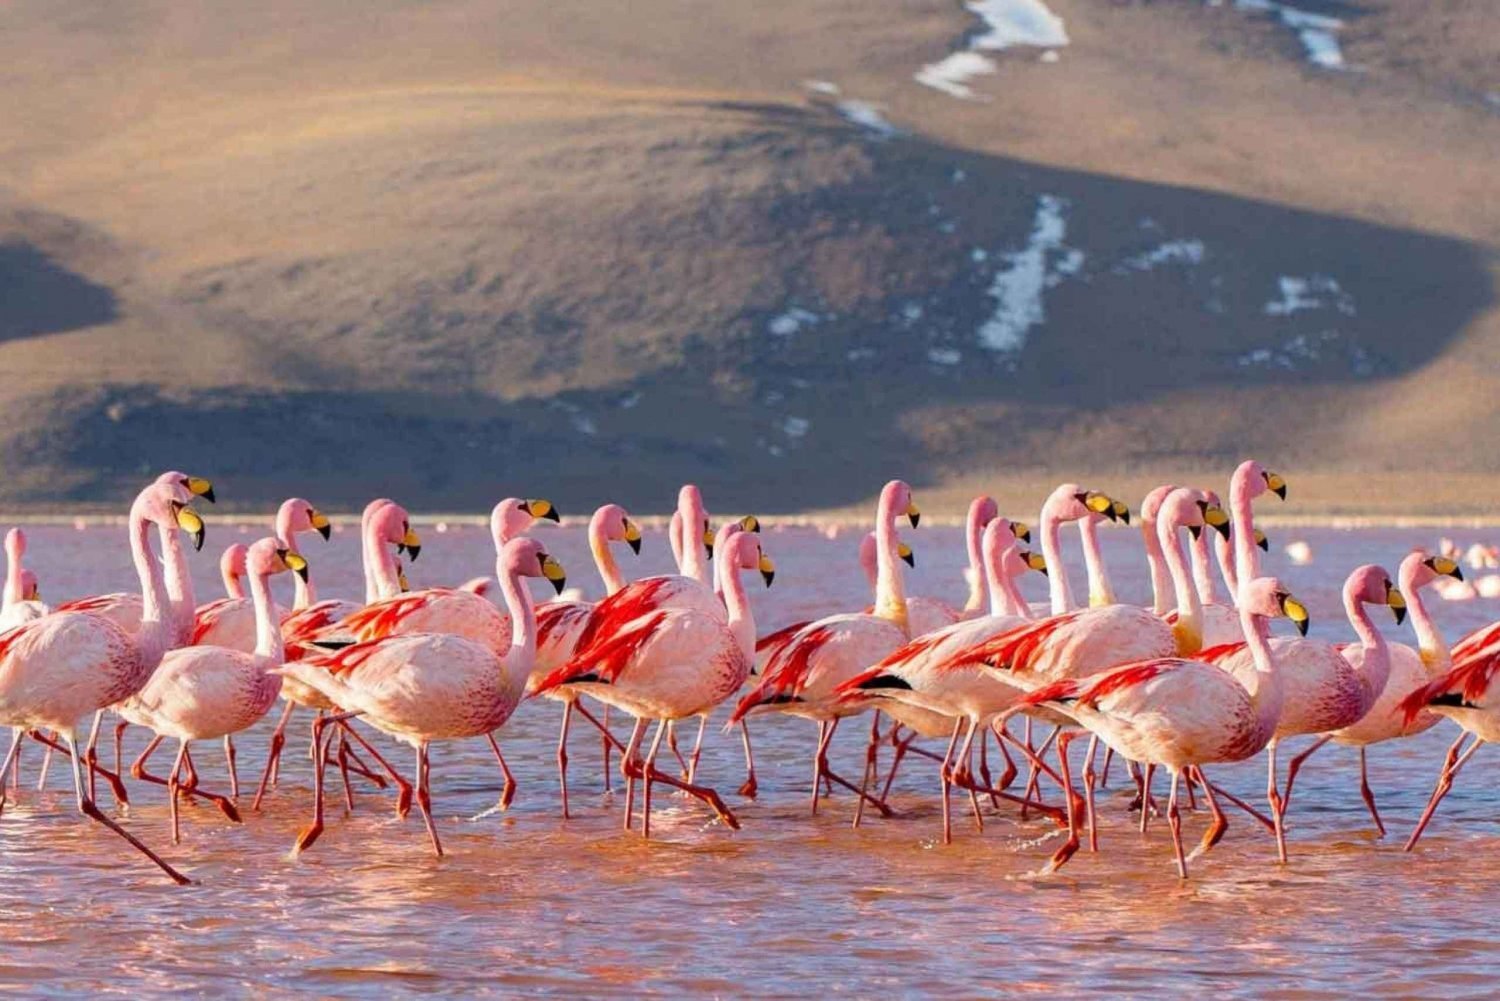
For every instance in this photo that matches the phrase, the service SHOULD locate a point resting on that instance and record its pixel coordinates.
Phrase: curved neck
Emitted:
(1431, 646)
(890, 589)
(604, 559)
(267, 631)
(1005, 598)
(306, 593)
(1224, 549)
(381, 580)
(979, 585)
(1376, 666)
(521, 657)
(693, 563)
(13, 590)
(1100, 593)
(1246, 559)
(1264, 684)
(741, 618)
(1188, 629)
(179, 579)
(1161, 580)
(232, 586)
(674, 538)
(1058, 590)
(156, 631)
(1203, 569)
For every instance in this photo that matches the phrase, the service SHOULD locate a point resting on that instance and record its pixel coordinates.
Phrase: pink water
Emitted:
(527, 902)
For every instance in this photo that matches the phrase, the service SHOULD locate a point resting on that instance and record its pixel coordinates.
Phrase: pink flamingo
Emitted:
(1183, 714)
(802, 677)
(511, 519)
(59, 668)
(1327, 687)
(924, 615)
(21, 600)
(421, 687)
(921, 673)
(561, 623)
(205, 692)
(674, 664)
(232, 568)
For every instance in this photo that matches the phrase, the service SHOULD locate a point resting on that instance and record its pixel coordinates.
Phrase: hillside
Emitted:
(449, 250)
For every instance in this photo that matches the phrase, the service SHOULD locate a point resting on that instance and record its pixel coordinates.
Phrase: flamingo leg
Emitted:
(41, 779)
(1295, 766)
(662, 726)
(1061, 856)
(1147, 774)
(120, 729)
(404, 788)
(1088, 791)
(1009, 775)
(963, 776)
(174, 778)
(12, 756)
(1033, 788)
(138, 771)
(424, 798)
(13, 773)
(509, 792)
(946, 777)
(1451, 766)
(311, 832)
(1368, 794)
(692, 772)
(117, 786)
(1035, 761)
(1274, 799)
(1220, 823)
(750, 788)
(704, 794)
(562, 754)
(608, 741)
(603, 727)
(1188, 785)
(88, 808)
(92, 756)
(901, 746)
(273, 754)
(627, 762)
(1109, 755)
(818, 763)
(829, 775)
(1174, 821)
(872, 753)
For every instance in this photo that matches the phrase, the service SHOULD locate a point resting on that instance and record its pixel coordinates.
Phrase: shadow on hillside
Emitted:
(39, 296)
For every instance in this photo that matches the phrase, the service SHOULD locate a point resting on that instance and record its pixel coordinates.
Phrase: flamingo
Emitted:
(64, 666)
(674, 664)
(924, 614)
(21, 600)
(204, 692)
(1183, 714)
(1328, 687)
(561, 623)
(421, 687)
(383, 523)
(510, 519)
(921, 674)
(232, 568)
(801, 679)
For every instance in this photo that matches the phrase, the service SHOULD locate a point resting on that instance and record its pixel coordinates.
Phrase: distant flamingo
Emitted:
(57, 669)
(1183, 714)
(926, 614)
(232, 568)
(510, 519)
(21, 600)
(801, 678)
(204, 692)
(672, 665)
(431, 686)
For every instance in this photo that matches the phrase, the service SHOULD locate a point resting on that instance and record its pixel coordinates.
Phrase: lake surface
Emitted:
(525, 902)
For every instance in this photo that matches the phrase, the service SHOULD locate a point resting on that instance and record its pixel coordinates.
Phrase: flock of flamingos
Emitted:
(1188, 683)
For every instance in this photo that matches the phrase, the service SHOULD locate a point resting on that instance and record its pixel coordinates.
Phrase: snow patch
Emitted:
(1317, 32)
(793, 320)
(944, 356)
(1310, 292)
(1018, 288)
(630, 400)
(1303, 349)
(796, 427)
(952, 75)
(822, 87)
(1186, 253)
(867, 116)
(860, 354)
(584, 424)
(1017, 22)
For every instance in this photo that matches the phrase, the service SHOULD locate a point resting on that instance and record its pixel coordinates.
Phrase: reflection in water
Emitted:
(527, 902)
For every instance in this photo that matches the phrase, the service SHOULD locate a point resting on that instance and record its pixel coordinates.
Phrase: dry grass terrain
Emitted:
(451, 250)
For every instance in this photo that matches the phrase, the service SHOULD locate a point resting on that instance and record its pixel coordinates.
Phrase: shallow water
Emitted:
(526, 902)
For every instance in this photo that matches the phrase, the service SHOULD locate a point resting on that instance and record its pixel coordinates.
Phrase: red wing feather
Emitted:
(775, 641)
(1215, 654)
(605, 660)
(622, 608)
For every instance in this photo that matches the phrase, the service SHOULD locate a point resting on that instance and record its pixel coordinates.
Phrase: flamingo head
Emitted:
(15, 544)
(1371, 585)
(233, 563)
(1071, 502)
(529, 558)
(1151, 505)
(161, 504)
(982, 511)
(30, 589)
(188, 487)
(743, 551)
(1254, 479)
(269, 556)
(895, 500)
(392, 525)
(617, 526)
(1421, 568)
(1001, 548)
(297, 515)
(1269, 598)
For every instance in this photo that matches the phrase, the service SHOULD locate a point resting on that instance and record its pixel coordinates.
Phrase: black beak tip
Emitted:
(635, 545)
(400, 548)
(413, 552)
(768, 577)
(552, 515)
(198, 537)
(326, 532)
(1025, 536)
(1400, 615)
(1043, 571)
(710, 550)
(915, 519)
(1302, 626)
(208, 495)
(1195, 531)
(1223, 529)
(302, 572)
(559, 584)
(1458, 573)
(1280, 491)
(910, 559)
(1265, 545)
(1125, 516)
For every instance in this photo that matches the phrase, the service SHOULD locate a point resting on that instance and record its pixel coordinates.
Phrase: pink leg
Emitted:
(403, 788)
(1010, 773)
(508, 793)
(662, 726)
(1451, 764)
(817, 779)
(1148, 773)
(872, 755)
(1174, 821)
(1061, 856)
(184, 788)
(91, 810)
(1274, 799)
(962, 775)
(627, 761)
(11, 758)
(692, 772)
(901, 745)
(41, 779)
(750, 788)
(1109, 755)
(829, 775)
(1368, 794)
(92, 757)
(116, 785)
(234, 775)
(608, 742)
(174, 778)
(311, 832)
(945, 775)
(1295, 767)
(562, 754)
(1220, 823)
(273, 754)
(424, 798)
(1088, 791)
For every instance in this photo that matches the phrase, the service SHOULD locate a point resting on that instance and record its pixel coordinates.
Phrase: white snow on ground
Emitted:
(1311, 292)
(944, 356)
(1309, 348)
(793, 320)
(952, 75)
(1183, 252)
(1018, 287)
(822, 87)
(1317, 32)
(630, 400)
(1017, 22)
(796, 427)
(1007, 23)
(867, 116)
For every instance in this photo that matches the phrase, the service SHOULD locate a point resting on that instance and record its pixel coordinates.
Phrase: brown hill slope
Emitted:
(448, 250)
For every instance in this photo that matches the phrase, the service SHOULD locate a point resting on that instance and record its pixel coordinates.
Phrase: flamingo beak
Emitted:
(541, 509)
(1216, 518)
(321, 524)
(907, 556)
(1195, 531)
(1444, 566)
(1120, 510)
(767, 569)
(189, 521)
(1397, 602)
(1261, 541)
(632, 536)
(200, 487)
(295, 563)
(1099, 504)
(1276, 484)
(553, 571)
(750, 523)
(411, 543)
(1035, 561)
(913, 515)
(35, 594)
(708, 538)
(1296, 611)
(1020, 531)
